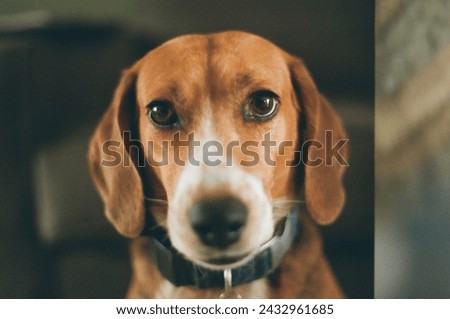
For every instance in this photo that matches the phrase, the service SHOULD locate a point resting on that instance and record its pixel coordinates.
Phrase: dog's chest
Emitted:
(255, 290)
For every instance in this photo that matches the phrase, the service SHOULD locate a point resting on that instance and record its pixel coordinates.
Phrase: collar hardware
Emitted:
(229, 293)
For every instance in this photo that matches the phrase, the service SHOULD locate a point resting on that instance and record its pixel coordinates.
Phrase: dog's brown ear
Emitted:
(324, 192)
(112, 167)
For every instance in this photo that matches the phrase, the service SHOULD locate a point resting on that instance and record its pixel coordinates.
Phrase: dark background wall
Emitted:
(59, 63)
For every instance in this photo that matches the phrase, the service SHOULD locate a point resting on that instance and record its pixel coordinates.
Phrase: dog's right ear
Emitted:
(324, 190)
(112, 167)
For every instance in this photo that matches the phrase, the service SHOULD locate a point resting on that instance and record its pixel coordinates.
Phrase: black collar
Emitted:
(182, 272)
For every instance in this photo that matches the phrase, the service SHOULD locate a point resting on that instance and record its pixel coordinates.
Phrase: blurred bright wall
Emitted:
(412, 234)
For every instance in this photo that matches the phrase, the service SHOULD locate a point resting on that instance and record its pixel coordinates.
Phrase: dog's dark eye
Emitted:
(162, 114)
(262, 105)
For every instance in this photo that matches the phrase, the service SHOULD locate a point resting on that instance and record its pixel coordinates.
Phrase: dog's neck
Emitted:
(147, 281)
(303, 273)
(256, 290)
(182, 272)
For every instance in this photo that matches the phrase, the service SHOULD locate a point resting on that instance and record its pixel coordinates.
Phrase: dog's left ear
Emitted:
(324, 192)
(114, 170)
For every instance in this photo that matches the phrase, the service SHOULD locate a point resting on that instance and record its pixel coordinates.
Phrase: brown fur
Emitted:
(220, 70)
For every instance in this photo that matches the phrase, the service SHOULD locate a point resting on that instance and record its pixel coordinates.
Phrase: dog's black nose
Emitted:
(218, 222)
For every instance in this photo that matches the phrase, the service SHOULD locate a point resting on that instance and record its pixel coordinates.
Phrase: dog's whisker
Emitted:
(157, 201)
(284, 205)
(281, 207)
(278, 213)
(287, 201)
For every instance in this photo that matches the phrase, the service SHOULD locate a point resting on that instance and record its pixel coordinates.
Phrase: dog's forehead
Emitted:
(223, 60)
(203, 49)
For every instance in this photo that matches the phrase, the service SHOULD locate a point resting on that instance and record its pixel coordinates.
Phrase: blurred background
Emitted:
(412, 240)
(59, 64)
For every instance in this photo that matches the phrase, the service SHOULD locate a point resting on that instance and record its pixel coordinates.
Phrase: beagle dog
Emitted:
(213, 158)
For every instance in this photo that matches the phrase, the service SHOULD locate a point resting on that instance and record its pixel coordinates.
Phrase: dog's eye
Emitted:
(262, 105)
(162, 114)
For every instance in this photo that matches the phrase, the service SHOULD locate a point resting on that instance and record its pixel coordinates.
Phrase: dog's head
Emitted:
(211, 125)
